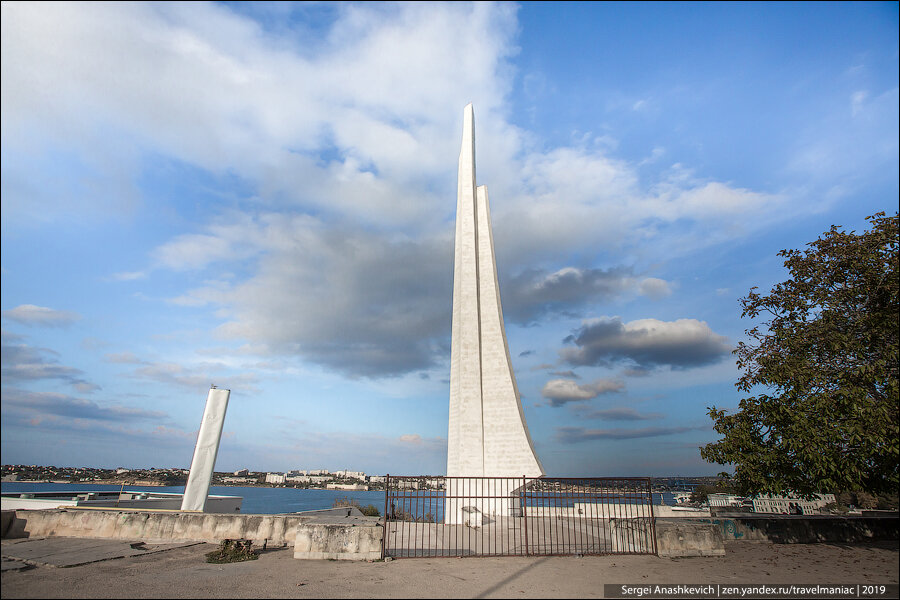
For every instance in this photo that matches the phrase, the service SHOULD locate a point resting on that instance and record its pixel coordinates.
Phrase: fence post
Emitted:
(653, 515)
(384, 532)
(525, 516)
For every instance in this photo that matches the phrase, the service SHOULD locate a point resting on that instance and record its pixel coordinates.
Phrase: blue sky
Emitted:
(262, 196)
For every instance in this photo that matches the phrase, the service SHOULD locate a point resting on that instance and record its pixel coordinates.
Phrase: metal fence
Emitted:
(517, 516)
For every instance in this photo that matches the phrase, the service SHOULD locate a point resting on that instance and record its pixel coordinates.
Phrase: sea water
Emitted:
(257, 500)
(265, 500)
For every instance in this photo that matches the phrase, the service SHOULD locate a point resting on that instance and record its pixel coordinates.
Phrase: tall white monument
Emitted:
(197, 489)
(488, 436)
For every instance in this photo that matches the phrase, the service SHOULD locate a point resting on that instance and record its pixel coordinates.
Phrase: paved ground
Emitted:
(72, 552)
(183, 573)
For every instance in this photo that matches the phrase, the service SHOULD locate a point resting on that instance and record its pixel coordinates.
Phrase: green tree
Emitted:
(825, 359)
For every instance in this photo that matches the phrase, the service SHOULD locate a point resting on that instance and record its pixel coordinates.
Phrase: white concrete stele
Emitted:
(488, 436)
(204, 461)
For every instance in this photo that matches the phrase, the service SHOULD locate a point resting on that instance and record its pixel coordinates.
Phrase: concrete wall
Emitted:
(342, 534)
(688, 537)
(784, 529)
(334, 534)
(154, 527)
(338, 541)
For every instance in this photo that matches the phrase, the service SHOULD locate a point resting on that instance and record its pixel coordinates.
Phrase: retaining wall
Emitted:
(154, 527)
(785, 529)
(339, 542)
(688, 537)
(344, 535)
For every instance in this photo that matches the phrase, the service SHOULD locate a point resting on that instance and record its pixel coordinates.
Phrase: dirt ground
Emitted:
(183, 573)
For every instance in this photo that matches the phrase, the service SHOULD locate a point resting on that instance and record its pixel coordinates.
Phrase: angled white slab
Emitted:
(206, 450)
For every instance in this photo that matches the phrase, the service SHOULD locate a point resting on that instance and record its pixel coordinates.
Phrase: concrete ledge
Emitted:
(785, 529)
(341, 534)
(338, 541)
(153, 527)
(688, 537)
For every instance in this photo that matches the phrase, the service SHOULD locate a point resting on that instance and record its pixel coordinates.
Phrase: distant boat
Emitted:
(132, 499)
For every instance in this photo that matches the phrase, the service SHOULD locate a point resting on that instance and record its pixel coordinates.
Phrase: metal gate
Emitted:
(517, 516)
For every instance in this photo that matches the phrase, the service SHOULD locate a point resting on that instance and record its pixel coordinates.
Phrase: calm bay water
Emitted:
(257, 500)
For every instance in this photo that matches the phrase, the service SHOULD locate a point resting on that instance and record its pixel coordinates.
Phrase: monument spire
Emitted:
(487, 434)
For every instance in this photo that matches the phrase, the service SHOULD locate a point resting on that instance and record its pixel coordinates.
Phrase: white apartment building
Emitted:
(350, 474)
(239, 480)
(347, 486)
(725, 500)
(765, 503)
(306, 478)
(275, 477)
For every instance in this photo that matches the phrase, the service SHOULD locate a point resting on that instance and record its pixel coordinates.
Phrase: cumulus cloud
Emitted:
(29, 314)
(647, 343)
(204, 85)
(357, 302)
(344, 141)
(561, 391)
(572, 435)
(534, 293)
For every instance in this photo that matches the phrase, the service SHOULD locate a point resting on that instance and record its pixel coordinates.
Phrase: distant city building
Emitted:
(350, 474)
(347, 486)
(725, 500)
(275, 477)
(765, 503)
(239, 480)
(121, 471)
(241, 473)
(307, 478)
(376, 479)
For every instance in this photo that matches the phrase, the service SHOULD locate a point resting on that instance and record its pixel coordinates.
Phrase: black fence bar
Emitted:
(516, 516)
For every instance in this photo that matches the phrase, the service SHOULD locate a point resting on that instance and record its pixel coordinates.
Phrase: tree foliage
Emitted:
(825, 360)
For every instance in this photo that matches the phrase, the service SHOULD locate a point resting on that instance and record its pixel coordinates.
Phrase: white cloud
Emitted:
(203, 85)
(681, 344)
(362, 133)
(535, 292)
(40, 316)
(560, 391)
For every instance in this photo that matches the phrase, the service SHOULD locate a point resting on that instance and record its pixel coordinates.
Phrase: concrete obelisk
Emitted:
(207, 449)
(488, 436)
